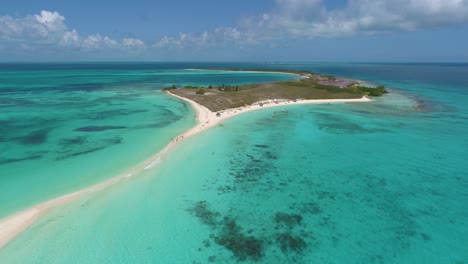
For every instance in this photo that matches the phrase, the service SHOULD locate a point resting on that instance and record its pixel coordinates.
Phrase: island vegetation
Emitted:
(309, 86)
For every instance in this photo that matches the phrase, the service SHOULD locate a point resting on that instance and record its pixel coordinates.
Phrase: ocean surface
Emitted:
(379, 182)
(66, 126)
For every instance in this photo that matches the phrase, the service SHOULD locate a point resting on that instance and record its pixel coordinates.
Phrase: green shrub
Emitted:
(377, 91)
(170, 88)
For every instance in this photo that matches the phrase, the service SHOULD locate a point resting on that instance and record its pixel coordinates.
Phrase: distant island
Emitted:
(309, 86)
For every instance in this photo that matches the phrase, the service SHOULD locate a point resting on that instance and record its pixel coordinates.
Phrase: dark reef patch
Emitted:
(229, 234)
(244, 247)
(35, 138)
(334, 124)
(288, 220)
(226, 189)
(108, 114)
(12, 160)
(290, 243)
(73, 141)
(341, 128)
(251, 245)
(426, 237)
(85, 147)
(98, 128)
(270, 155)
(78, 153)
(202, 212)
(310, 208)
(254, 169)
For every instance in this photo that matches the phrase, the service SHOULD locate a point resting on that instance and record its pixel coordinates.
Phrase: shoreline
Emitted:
(13, 225)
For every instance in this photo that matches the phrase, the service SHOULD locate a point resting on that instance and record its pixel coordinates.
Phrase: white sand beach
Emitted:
(14, 224)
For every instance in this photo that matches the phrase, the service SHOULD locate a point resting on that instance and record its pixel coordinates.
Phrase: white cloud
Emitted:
(310, 19)
(70, 39)
(184, 40)
(163, 42)
(133, 43)
(49, 28)
(205, 39)
(53, 21)
(110, 42)
(231, 33)
(92, 42)
(288, 19)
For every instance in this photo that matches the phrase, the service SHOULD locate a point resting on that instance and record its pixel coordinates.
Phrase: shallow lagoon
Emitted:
(381, 182)
(65, 128)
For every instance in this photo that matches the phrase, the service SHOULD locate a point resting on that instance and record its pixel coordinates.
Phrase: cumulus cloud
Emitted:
(110, 43)
(49, 28)
(288, 19)
(218, 36)
(133, 43)
(188, 40)
(53, 21)
(92, 42)
(311, 19)
(46, 27)
(70, 39)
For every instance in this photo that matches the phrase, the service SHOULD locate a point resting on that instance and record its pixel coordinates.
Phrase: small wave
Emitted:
(152, 164)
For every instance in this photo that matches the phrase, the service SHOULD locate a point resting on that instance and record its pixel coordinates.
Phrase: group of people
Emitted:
(177, 138)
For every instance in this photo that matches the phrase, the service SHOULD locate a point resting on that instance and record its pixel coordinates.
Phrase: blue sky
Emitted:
(210, 30)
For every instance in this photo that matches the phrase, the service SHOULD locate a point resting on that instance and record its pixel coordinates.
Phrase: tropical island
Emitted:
(310, 86)
(213, 105)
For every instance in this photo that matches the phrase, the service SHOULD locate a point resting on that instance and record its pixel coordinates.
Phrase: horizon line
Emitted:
(227, 61)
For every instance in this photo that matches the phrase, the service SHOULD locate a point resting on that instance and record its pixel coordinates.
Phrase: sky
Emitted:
(217, 30)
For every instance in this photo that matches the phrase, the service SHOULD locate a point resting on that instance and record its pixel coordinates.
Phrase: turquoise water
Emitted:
(379, 182)
(65, 127)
